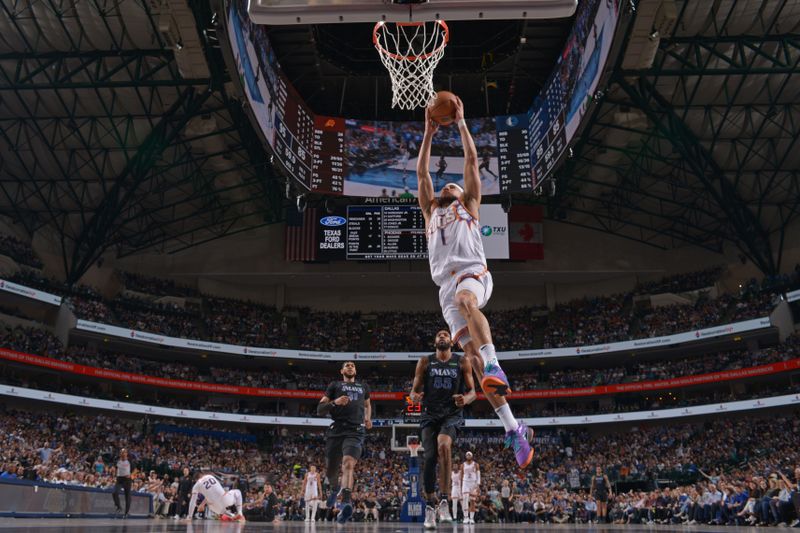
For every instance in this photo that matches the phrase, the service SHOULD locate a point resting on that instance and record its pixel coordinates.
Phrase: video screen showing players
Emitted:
(382, 157)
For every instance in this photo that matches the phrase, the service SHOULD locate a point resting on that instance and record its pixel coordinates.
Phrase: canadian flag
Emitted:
(526, 236)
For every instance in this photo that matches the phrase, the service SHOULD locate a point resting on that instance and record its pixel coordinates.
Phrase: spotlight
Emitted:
(302, 203)
(330, 206)
(552, 188)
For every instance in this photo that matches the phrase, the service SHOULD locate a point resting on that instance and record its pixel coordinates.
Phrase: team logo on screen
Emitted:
(486, 231)
(333, 221)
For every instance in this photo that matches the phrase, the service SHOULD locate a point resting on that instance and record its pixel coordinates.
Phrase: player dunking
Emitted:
(458, 267)
(312, 490)
(348, 404)
(470, 487)
(226, 503)
(443, 383)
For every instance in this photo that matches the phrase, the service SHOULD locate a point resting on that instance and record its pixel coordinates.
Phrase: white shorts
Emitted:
(455, 492)
(311, 494)
(469, 488)
(478, 281)
(220, 505)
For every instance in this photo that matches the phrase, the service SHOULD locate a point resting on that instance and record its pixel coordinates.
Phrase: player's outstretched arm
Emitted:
(472, 180)
(424, 181)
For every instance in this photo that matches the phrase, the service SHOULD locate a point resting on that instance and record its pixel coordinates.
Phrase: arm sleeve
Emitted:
(366, 391)
(478, 475)
(330, 392)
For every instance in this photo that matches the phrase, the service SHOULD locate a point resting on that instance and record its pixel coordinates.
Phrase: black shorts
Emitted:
(343, 441)
(433, 427)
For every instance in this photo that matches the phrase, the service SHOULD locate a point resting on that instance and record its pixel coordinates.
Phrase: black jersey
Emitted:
(442, 381)
(352, 414)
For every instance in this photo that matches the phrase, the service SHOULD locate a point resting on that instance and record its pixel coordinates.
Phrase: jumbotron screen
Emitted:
(341, 156)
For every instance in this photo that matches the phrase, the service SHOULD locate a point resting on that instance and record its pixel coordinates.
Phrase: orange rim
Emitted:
(401, 57)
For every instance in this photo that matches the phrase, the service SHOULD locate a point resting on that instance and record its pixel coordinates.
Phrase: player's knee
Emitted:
(349, 463)
(444, 449)
(466, 303)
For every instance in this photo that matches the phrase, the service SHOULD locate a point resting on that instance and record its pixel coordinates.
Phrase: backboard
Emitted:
(286, 12)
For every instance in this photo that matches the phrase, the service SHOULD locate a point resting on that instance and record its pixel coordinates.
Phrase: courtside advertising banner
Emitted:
(547, 353)
(154, 410)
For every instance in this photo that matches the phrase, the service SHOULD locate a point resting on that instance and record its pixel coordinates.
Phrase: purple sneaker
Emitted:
(520, 439)
(495, 380)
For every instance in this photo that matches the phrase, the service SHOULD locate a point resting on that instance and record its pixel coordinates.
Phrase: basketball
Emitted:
(443, 108)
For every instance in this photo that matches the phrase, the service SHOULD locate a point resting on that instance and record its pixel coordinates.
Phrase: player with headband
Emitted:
(458, 267)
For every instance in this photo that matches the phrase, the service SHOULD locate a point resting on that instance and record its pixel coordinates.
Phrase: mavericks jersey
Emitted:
(350, 416)
(442, 381)
(454, 242)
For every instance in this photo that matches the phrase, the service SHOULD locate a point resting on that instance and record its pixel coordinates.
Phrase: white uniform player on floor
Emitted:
(312, 486)
(226, 503)
(458, 267)
(470, 487)
(455, 491)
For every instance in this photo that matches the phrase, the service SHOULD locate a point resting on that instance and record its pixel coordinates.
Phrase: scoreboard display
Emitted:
(513, 151)
(395, 231)
(379, 232)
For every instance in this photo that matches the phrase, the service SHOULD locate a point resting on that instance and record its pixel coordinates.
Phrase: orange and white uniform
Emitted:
(457, 260)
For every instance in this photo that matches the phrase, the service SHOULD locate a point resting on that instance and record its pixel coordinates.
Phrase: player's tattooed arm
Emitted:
(469, 395)
(367, 414)
(419, 379)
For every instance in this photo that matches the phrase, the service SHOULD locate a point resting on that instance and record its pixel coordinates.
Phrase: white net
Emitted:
(410, 52)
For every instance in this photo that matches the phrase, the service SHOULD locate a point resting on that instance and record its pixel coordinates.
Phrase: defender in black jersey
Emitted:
(347, 402)
(443, 384)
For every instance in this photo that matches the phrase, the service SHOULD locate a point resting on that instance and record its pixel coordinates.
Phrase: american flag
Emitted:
(301, 235)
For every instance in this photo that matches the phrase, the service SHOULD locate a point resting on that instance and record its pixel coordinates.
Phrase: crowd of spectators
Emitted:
(589, 321)
(576, 323)
(689, 281)
(19, 251)
(734, 470)
(37, 341)
(157, 286)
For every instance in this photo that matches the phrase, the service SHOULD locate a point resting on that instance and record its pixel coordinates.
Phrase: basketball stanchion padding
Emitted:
(410, 52)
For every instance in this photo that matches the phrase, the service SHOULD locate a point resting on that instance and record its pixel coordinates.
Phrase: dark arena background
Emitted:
(209, 207)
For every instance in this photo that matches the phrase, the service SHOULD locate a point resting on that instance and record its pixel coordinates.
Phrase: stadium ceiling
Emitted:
(119, 132)
(495, 66)
(695, 138)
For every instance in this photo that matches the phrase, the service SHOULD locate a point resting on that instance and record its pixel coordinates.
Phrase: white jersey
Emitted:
(455, 490)
(311, 491)
(217, 498)
(454, 243)
(471, 476)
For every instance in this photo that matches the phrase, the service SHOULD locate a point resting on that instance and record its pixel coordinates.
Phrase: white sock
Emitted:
(308, 510)
(471, 515)
(455, 509)
(506, 417)
(488, 355)
(465, 505)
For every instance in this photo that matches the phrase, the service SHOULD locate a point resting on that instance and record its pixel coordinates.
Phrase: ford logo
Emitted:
(333, 221)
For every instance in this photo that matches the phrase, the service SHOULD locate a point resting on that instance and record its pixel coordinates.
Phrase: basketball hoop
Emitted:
(410, 52)
(413, 449)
